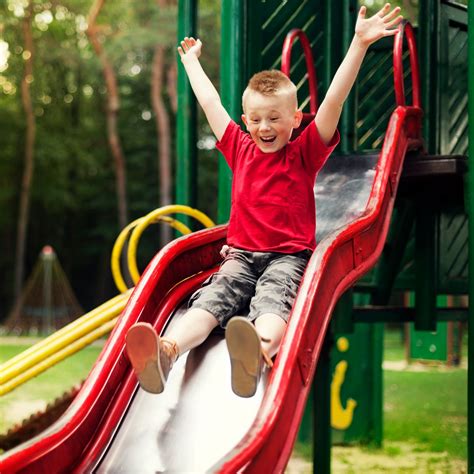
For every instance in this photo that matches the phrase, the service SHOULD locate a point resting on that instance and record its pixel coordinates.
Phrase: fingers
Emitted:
(394, 22)
(391, 15)
(384, 10)
(362, 11)
(187, 44)
(224, 251)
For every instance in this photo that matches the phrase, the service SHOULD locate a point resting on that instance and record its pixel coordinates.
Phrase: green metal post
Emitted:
(343, 321)
(233, 27)
(348, 118)
(470, 357)
(428, 41)
(186, 153)
(322, 411)
(425, 267)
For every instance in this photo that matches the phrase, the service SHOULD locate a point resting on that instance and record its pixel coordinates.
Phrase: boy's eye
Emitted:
(274, 119)
(255, 120)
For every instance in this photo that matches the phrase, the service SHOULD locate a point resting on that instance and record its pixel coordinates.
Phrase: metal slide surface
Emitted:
(197, 421)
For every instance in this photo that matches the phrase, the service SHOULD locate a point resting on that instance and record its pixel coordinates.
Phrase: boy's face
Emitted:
(270, 120)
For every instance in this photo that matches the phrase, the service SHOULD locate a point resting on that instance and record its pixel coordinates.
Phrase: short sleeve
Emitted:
(231, 143)
(313, 150)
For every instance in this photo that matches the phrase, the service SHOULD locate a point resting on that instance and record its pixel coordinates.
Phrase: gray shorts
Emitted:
(253, 282)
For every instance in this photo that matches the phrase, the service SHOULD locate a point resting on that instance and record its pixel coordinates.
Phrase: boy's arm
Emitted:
(204, 90)
(367, 31)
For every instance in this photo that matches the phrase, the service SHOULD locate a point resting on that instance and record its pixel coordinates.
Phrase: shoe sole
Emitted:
(244, 346)
(142, 346)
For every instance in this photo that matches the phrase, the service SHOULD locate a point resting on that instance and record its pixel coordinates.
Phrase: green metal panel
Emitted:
(429, 345)
(356, 388)
(470, 183)
(428, 47)
(186, 169)
(453, 80)
(453, 271)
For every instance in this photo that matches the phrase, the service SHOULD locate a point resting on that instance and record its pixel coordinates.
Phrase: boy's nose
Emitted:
(264, 125)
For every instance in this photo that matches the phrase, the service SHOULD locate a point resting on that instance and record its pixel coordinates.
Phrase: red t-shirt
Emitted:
(273, 208)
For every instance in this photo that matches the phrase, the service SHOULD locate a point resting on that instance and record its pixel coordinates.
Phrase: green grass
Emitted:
(45, 388)
(427, 408)
(394, 346)
(425, 412)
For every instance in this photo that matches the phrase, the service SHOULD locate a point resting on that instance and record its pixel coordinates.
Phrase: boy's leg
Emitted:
(225, 293)
(192, 329)
(152, 357)
(250, 345)
(271, 328)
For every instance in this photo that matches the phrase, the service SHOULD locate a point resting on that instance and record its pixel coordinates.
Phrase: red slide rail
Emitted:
(77, 439)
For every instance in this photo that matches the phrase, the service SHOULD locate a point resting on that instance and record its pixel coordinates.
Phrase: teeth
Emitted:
(267, 139)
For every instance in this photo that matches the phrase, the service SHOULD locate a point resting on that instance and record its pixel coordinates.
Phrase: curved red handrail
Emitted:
(286, 64)
(406, 30)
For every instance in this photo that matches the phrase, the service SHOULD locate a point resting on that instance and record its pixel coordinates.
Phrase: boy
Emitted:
(272, 225)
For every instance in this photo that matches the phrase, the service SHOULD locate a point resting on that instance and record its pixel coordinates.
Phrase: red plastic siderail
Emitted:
(338, 261)
(66, 443)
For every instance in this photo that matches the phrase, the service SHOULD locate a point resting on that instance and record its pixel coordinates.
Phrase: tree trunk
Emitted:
(163, 133)
(24, 209)
(113, 106)
(172, 80)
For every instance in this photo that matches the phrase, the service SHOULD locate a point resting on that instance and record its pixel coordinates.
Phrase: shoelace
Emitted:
(173, 347)
(265, 356)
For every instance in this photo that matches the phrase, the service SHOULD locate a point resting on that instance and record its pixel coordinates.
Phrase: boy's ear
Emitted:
(298, 118)
(244, 119)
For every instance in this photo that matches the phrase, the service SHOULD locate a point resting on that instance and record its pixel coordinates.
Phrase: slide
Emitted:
(198, 424)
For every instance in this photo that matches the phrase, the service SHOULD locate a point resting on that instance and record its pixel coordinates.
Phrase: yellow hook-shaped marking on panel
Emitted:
(341, 418)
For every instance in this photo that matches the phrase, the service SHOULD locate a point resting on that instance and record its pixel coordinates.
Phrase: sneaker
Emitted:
(151, 356)
(246, 356)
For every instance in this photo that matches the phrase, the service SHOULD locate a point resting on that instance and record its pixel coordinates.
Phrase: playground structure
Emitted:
(342, 257)
(47, 301)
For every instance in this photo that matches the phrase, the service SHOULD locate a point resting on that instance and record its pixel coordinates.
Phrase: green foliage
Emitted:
(73, 198)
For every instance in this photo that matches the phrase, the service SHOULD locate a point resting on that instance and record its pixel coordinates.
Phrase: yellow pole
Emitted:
(151, 217)
(56, 357)
(111, 308)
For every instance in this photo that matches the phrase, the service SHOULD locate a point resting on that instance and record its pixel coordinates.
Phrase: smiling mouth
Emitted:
(267, 139)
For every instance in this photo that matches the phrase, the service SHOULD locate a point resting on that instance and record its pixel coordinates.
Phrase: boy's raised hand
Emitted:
(190, 46)
(369, 30)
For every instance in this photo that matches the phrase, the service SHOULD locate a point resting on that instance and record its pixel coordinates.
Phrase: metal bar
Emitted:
(385, 314)
(470, 180)
(186, 121)
(425, 267)
(322, 411)
(233, 17)
(348, 117)
(428, 39)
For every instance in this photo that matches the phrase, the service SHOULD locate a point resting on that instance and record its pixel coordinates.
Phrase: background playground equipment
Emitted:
(251, 32)
(341, 257)
(441, 346)
(99, 321)
(46, 302)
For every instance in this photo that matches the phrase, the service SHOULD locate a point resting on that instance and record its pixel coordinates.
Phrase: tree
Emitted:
(163, 128)
(113, 106)
(23, 216)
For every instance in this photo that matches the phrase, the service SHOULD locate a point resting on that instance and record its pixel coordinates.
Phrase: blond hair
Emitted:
(269, 83)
